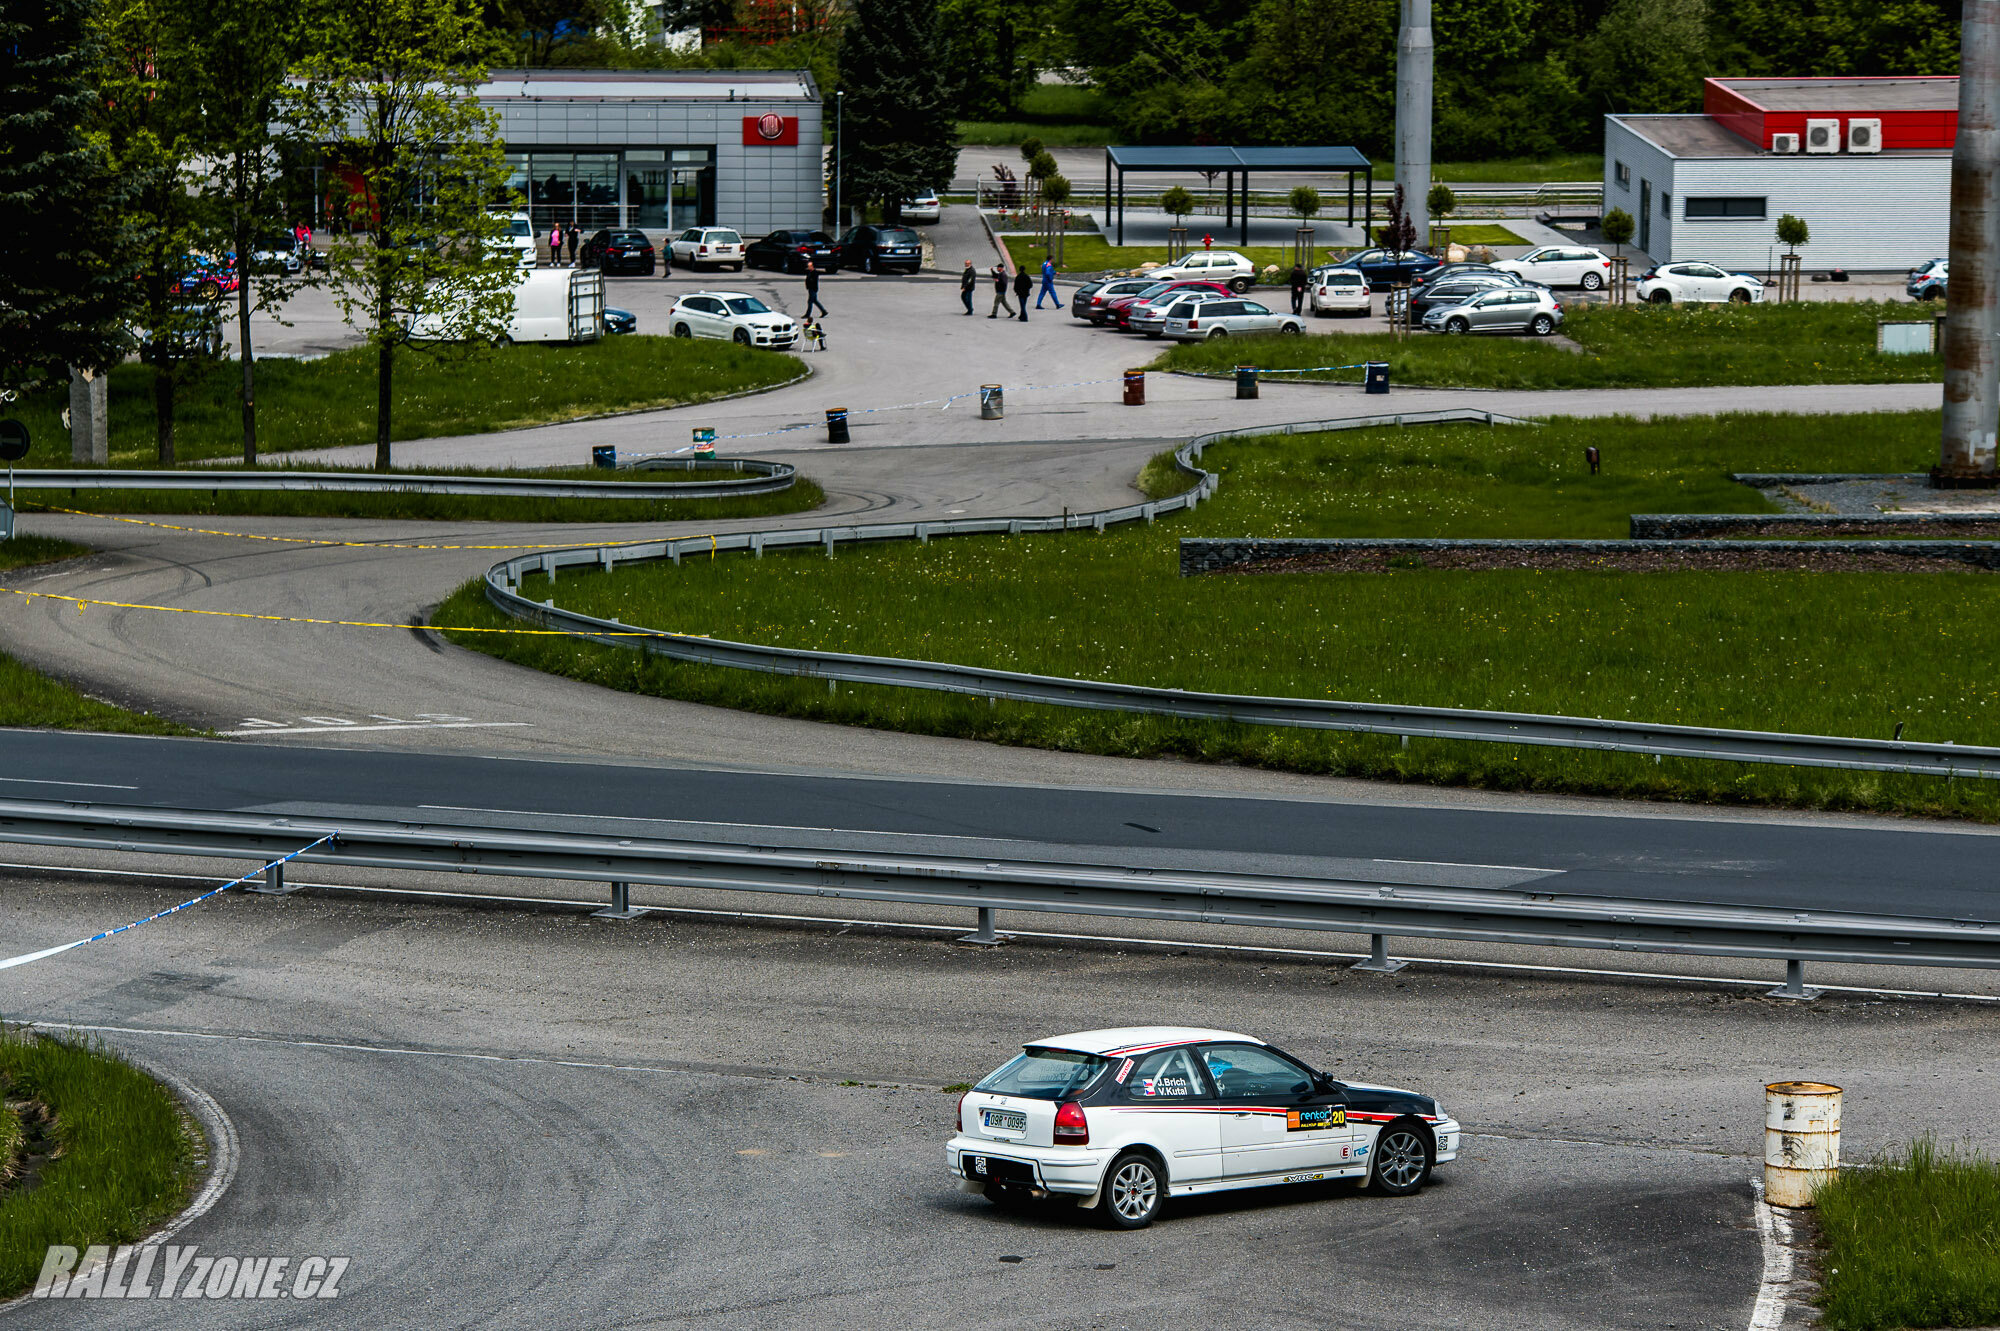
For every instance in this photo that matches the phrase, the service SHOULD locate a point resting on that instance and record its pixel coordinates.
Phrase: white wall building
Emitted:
(1866, 162)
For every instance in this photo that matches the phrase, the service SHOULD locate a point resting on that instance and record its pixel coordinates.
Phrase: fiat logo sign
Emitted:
(771, 126)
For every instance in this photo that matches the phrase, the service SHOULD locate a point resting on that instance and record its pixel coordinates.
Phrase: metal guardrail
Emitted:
(751, 477)
(1545, 730)
(1522, 913)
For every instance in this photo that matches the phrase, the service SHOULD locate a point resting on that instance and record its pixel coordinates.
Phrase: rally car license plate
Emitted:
(1006, 1120)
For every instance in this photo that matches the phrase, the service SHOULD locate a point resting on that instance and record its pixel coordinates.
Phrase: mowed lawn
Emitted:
(1843, 654)
(1631, 346)
(330, 402)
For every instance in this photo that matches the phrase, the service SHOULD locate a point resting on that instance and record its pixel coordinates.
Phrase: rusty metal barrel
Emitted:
(1801, 1140)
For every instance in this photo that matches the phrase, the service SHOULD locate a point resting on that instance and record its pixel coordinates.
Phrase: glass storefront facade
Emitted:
(655, 188)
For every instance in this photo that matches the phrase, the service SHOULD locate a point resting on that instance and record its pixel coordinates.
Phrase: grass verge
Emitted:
(1912, 1242)
(30, 698)
(1093, 254)
(1510, 170)
(1632, 346)
(115, 1159)
(330, 403)
(1843, 654)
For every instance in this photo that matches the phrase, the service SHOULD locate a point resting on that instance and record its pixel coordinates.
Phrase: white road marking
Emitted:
(351, 729)
(1774, 1230)
(94, 785)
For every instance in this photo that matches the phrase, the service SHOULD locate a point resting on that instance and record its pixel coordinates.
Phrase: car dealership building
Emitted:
(663, 149)
(1865, 162)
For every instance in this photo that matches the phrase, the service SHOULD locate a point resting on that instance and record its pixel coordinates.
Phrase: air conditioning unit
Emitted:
(1864, 136)
(1822, 136)
(1784, 143)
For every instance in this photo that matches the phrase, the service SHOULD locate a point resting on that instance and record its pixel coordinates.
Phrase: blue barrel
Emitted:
(1376, 378)
(1246, 381)
(604, 455)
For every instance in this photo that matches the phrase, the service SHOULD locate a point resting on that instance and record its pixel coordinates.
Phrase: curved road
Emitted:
(527, 1119)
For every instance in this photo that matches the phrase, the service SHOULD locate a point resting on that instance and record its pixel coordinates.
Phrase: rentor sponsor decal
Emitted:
(1315, 1117)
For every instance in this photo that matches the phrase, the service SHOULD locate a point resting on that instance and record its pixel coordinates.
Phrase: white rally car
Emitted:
(1120, 1120)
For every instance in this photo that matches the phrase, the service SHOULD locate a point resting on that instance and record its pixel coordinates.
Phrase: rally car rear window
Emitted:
(1045, 1074)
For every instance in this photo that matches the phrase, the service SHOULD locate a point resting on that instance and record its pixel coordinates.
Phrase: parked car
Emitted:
(193, 328)
(1228, 267)
(1386, 267)
(926, 207)
(1514, 309)
(1199, 321)
(1445, 270)
(707, 247)
(1930, 281)
(1150, 316)
(277, 254)
(520, 238)
(206, 278)
(882, 249)
(611, 252)
(1561, 266)
(1092, 301)
(1120, 309)
(787, 252)
(1450, 291)
(1119, 1121)
(735, 316)
(620, 321)
(1339, 291)
(1697, 282)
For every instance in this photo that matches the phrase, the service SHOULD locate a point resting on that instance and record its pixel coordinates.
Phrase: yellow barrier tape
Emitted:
(302, 540)
(81, 601)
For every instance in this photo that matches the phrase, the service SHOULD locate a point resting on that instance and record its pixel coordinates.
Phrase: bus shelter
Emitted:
(1234, 165)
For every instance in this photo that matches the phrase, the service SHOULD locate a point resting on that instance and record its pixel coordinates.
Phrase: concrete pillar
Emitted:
(1413, 114)
(89, 417)
(1971, 368)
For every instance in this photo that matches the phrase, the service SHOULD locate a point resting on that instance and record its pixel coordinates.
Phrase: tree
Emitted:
(1399, 234)
(1178, 202)
(388, 93)
(1617, 228)
(1304, 201)
(902, 136)
(1055, 193)
(1031, 148)
(1793, 232)
(64, 297)
(1649, 55)
(1441, 201)
(233, 56)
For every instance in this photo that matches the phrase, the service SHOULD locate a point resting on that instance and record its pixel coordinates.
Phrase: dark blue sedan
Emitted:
(1387, 267)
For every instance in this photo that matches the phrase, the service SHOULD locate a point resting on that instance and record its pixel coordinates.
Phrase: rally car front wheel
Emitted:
(1402, 1160)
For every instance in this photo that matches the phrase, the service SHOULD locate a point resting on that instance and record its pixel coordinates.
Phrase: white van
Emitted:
(550, 305)
(520, 238)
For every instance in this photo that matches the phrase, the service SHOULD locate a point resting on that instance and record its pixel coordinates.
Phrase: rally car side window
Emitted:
(1164, 1077)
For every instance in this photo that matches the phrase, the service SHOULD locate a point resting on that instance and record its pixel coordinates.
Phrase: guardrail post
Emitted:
(829, 542)
(621, 907)
(604, 557)
(274, 882)
(549, 567)
(674, 552)
(1147, 510)
(757, 544)
(1379, 959)
(1794, 986)
(983, 935)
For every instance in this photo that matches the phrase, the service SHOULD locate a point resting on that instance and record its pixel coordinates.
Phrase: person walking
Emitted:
(1298, 288)
(967, 282)
(1000, 292)
(812, 289)
(1023, 284)
(1048, 283)
(570, 238)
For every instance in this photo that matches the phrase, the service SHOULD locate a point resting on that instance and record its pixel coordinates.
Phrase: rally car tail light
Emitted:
(1071, 1126)
(961, 1111)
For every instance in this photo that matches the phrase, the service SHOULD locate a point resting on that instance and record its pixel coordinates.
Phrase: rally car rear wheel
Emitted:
(1402, 1160)
(1133, 1191)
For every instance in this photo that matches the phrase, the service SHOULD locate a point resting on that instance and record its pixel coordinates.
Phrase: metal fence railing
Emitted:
(504, 590)
(749, 476)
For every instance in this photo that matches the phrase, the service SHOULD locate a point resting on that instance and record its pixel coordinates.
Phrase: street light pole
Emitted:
(1413, 115)
(1971, 369)
(839, 160)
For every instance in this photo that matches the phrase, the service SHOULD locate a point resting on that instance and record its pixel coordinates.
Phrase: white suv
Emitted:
(1120, 1120)
(734, 316)
(926, 207)
(1561, 266)
(708, 247)
(1342, 290)
(1225, 266)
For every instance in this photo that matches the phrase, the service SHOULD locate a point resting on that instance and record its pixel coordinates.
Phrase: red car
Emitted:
(1119, 311)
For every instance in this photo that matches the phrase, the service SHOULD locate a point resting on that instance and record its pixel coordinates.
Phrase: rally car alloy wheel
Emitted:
(1132, 1192)
(1402, 1160)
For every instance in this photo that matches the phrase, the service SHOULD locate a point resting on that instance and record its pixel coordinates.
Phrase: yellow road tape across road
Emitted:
(81, 601)
(297, 540)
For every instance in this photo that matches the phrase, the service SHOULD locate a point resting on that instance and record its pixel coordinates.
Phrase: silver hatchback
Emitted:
(1506, 310)
(1190, 321)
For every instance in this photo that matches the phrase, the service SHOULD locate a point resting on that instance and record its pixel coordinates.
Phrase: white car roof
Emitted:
(1132, 1039)
(719, 295)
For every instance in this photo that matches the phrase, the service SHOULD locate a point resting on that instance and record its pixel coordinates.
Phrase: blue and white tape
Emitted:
(27, 957)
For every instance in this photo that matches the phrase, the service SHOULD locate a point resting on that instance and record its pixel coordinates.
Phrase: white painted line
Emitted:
(94, 785)
(1774, 1230)
(350, 730)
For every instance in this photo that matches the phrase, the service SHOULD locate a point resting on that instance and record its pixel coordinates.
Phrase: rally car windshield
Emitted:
(1045, 1074)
